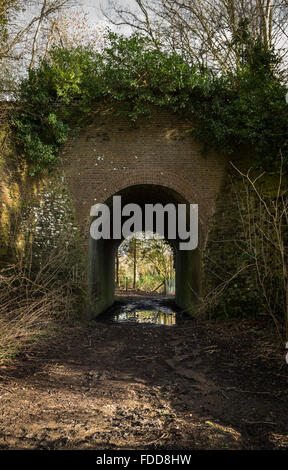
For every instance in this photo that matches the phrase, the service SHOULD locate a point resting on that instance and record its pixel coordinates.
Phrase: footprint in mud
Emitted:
(189, 367)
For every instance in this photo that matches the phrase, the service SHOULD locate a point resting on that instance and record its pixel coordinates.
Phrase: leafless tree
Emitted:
(205, 31)
(71, 29)
(25, 20)
(265, 226)
(26, 25)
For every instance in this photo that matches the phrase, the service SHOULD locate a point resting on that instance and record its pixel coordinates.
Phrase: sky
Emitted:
(93, 9)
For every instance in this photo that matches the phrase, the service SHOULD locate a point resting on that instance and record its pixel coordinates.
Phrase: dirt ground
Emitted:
(196, 385)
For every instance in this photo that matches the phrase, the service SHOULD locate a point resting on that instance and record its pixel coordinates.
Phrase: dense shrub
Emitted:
(245, 108)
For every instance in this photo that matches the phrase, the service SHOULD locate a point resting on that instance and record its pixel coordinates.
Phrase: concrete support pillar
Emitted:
(101, 274)
(188, 279)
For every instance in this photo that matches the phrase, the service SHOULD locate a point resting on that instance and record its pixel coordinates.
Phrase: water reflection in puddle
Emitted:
(145, 312)
(147, 316)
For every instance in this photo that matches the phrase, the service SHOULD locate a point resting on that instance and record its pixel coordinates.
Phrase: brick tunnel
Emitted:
(153, 160)
(101, 253)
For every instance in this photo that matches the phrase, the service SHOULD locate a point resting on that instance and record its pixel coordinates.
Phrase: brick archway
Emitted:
(101, 254)
(112, 154)
(165, 179)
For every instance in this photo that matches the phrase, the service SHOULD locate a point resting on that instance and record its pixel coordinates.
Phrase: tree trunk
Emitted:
(117, 269)
(135, 262)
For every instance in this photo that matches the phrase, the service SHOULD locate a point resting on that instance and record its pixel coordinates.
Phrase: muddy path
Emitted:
(193, 385)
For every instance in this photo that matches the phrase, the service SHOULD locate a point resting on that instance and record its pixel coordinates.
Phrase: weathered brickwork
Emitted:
(113, 153)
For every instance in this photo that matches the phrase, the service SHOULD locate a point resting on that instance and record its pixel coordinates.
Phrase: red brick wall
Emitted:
(113, 153)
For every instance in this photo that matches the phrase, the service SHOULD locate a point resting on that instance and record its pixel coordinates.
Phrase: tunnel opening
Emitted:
(102, 255)
(145, 264)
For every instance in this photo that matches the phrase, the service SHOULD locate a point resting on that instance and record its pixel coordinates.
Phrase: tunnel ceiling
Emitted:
(148, 194)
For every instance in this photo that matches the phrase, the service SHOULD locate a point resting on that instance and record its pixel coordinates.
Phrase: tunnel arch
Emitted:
(112, 153)
(101, 253)
(187, 191)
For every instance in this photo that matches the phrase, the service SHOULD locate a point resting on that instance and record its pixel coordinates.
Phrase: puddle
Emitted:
(150, 312)
(153, 317)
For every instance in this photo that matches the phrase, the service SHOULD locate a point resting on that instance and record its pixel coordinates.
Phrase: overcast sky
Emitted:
(93, 9)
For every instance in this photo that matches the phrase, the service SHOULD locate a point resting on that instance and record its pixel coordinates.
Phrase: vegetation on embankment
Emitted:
(41, 260)
(242, 108)
(39, 289)
(245, 261)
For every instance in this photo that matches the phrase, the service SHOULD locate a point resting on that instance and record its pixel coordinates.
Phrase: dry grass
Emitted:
(30, 301)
